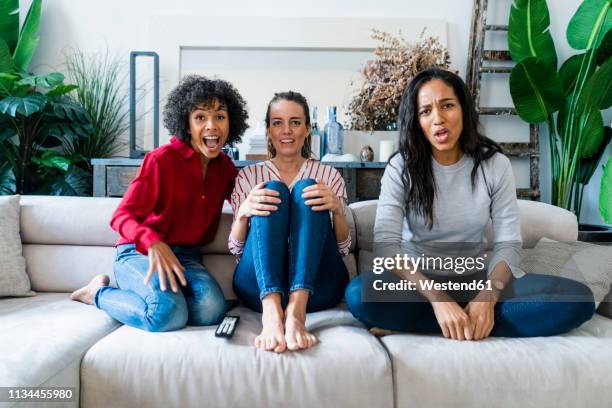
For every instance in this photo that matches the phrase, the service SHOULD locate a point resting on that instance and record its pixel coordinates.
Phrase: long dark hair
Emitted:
(415, 149)
(300, 100)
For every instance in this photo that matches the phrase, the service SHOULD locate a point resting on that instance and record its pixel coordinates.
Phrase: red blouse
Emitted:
(170, 201)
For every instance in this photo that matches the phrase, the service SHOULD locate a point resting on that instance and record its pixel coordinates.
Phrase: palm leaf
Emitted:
(9, 22)
(6, 61)
(605, 48)
(589, 165)
(536, 90)
(28, 38)
(605, 195)
(588, 26)
(528, 32)
(570, 69)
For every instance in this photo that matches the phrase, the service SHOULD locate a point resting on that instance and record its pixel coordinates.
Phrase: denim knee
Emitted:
(208, 306)
(352, 295)
(165, 312)
(277, 185)
(298, 188)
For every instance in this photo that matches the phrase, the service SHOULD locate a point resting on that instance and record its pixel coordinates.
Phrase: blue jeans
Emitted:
(533, 306)
(147, 307)
(292, 248)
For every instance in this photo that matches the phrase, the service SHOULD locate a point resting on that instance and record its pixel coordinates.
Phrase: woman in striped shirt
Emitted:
(289, 247)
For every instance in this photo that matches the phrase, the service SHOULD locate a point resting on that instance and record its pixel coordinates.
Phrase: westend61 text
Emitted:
(405, 262)
(479, 285)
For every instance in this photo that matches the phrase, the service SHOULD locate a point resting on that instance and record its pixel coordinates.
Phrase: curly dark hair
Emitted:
(196, 90)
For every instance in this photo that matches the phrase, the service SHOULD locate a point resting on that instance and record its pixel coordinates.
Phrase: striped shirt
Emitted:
(260, 172)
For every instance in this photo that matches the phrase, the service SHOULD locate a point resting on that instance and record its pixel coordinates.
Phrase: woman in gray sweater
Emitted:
(438, 193)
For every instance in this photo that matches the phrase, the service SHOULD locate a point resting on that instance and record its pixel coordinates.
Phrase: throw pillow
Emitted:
(13, 278)
(581, 261)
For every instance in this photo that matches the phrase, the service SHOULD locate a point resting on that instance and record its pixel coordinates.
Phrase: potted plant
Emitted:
(36, 116)
(569, 100)
(384, 79)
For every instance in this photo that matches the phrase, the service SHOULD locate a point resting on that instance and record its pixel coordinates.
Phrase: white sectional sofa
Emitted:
(48, 340)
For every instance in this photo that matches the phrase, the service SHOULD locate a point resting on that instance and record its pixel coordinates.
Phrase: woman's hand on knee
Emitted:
(163, 261)
(259, 202)
(482, 316)
(322, 198)
(453, 320)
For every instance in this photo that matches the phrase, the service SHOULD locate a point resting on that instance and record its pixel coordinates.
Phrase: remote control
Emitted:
(227, 327)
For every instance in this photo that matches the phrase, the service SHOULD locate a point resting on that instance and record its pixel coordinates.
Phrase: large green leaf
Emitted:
(605, 48)
(62, 89)
(528, 34)
(65, 108)
(536, 90)
(74, 182)
(589, 165)
(25, 106)
(6, 61)
(53, 160)
(588, 26)
(7, 179)
(592, 129)
(9, 22)
(598, 89)
(605, 193)
(49, 80)
(28, 38)
(7, 82)
(570, 69)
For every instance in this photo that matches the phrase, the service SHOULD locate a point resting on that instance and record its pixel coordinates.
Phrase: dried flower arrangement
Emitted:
(374, 107)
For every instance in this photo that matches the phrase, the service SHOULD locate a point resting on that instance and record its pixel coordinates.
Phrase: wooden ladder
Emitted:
(475, 69)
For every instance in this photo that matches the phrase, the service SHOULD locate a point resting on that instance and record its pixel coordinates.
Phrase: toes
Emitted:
(312, 340)
(291, 342)
(281, 346)
(301, 340)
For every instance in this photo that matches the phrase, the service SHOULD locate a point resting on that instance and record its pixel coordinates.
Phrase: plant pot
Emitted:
(600, 234)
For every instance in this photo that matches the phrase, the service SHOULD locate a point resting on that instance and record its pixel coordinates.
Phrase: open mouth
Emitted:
(287, 141)
(211, 142)
(441, 136)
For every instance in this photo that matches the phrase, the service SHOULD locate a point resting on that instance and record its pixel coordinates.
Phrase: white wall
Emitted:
(123, 26)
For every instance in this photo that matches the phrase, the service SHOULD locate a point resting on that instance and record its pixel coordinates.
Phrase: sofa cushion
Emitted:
(570, 370)
(65, 268)
(68, 220)
(13, 278)
(191, 367)
(43, 339)
(581, 261)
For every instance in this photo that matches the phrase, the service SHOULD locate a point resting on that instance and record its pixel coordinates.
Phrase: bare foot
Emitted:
(298, 338)
(272, 336)
(86, 293)
(378, 332)
(295, 329)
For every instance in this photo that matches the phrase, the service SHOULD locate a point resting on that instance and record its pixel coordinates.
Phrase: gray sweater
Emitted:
(460, 213)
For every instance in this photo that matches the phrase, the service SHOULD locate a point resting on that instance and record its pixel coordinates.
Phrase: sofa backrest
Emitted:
(68, 240)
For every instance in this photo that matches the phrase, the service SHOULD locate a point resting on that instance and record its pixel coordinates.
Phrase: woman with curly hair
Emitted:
(170, 209)
(447, 182)
(289, 230)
